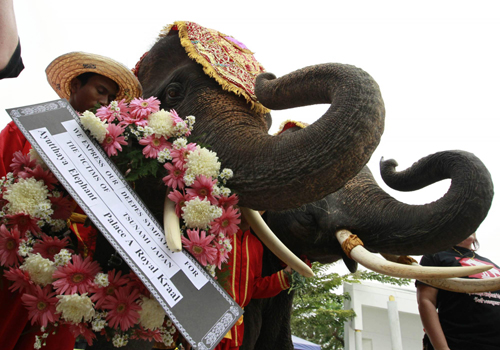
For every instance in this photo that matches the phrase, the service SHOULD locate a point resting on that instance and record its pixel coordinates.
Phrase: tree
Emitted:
(318, 313)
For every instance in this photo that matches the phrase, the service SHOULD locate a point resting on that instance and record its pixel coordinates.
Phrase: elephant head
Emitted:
(270, 172)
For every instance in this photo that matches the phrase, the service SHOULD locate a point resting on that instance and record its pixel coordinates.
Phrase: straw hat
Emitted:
(61, 71)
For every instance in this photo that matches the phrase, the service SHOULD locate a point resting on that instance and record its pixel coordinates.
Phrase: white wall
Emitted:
(369, 301)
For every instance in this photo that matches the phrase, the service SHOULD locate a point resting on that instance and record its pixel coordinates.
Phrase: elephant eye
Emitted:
(173, 94)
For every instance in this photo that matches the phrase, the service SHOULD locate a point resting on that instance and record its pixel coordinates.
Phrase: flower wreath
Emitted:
(60, 285)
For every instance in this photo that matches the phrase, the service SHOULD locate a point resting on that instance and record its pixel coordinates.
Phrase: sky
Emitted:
(436, 62)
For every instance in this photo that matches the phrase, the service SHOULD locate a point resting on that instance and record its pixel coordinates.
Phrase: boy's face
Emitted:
(98, 89)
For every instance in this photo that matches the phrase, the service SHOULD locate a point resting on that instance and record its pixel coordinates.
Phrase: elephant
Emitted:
(312, 181)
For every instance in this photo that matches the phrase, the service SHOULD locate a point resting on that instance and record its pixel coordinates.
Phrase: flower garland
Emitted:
(59, 283)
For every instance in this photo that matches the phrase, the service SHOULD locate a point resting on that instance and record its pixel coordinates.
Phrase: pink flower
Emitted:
(41, 305)
(38, 173)
(199, 246)
(226, 202)
(146, 334)
(62, 207)
(179, 155)
(222, 255)
(179, 199)
(122, 308)
(175, 177)
(227, 223)
(136, 283)
(113, 140)
(77, 275)
(202, 188)
(141, 109)
(22, 280)
(9, 246)
(109, 113)
(153, 145)
(49, 246)
(176, 119)
(81, 329)
(21, 161)
(24, 223)
(101, 293)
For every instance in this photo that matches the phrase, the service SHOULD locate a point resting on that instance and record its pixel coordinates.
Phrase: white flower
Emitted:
(96, 126)
(34, 155)
(43, 210)
(120, 340)
(162, 123)
(164, 155)
(179, 143)
(57, 225)
(62, 258)
(24, 248)
(226, 174)
(202, 161)
(101, 279)
(189, 179)
(190, 119)
(167, 339)
(39, 269)
(199, 213)
(75, 308)
(27, 196)
(225, 191)
(210, 269)
(38, 342)
(152, 314)
(98, 325)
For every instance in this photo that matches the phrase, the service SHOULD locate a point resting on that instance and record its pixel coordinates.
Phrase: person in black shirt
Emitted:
(11, 63)
(459, 321)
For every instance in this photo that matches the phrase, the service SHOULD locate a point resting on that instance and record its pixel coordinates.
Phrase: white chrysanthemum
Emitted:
(225, 191)
(75, 308)
(101, 279)
(96, 126)
(43, 210)
(24, 249)
(62, 258)
(152, 314)
(226, 174)
(162, 123)
(169, 323)
(120, 340)
(167, 339)
(27, 196)
(216, 190)
(39, 269)
(164, 155)
(202, 161)
(210, 269)
(34, 155)
(199, 213)
(38, 342)
(179, 143)
(189, 179)
(190, 119)
(98, 325)
(57, 225)
(181, 129)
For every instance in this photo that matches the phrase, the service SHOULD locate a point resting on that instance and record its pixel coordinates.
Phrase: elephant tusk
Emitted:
(374, 263)
(171, 225)
(465, 285)
(274, 244)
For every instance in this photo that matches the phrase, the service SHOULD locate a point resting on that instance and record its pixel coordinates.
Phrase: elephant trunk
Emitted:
(399, 228)
(288, 170)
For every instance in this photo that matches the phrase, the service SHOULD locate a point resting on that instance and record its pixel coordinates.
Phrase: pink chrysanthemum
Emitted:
(226, 202)
(113, 141)
(62, 207)
(222, 255)
(115, 280)
(227, 223)
(24, 223)
(122, 308)
(141, 109)
(153, 145)
(9, 246)
(146, 334)
(22, 280)
(38, 173)
(49, 246)
(77, 275)
(41, 305)
(179, 155)
(179, 199)
(199, 245)
(202, 188)
(109, 113)
(20, 162)
(175, 177)
(81, 329)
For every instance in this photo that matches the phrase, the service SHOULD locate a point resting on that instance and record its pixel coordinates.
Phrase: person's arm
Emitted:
(8, 32)
(426, 298)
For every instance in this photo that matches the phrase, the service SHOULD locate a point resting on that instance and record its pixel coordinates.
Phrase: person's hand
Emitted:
(288, 269)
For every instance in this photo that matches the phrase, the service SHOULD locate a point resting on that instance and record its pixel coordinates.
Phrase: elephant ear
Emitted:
(223, 58)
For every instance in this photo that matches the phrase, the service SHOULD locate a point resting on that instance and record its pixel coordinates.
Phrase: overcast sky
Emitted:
(437, 63)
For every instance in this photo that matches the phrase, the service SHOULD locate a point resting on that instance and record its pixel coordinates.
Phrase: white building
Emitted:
(380, 324)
